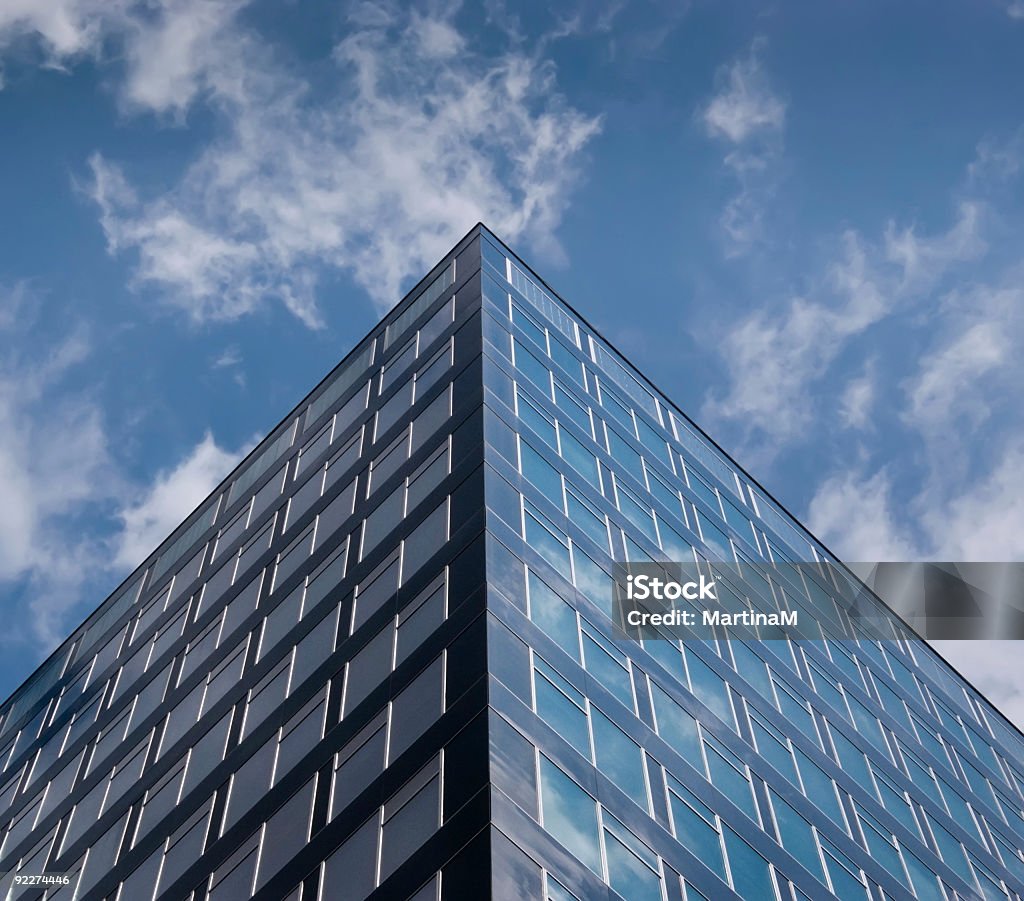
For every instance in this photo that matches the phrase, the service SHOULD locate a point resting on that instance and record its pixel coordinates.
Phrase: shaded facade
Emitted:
(377, 662)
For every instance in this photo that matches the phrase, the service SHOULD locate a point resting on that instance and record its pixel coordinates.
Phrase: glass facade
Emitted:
(379, 662)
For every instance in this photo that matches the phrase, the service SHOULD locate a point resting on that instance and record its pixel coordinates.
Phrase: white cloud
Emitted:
(749, 116)
(997, 161)
(54, 460)
(778, 354)
(774, 360)
(744, 104)
(985, 519)
(65, 29)
(417, 138)
(993, 667)
(854, 517)
(858, 398)
(924, 260)
(938, 392)
(861, 518)
(230, 356)
(167, 47)
(174, 52)
(960, 397)
(173, 494)
(70, 523)
(1015, 9)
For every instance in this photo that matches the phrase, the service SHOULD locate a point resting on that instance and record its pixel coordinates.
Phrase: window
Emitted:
(286, 832)
(382, 520)
(388, 462)
(608, 665)
(430, 374)
(749, 870)
(675, 725)
(619, 758)
(375, 590)
(696, 827)
(709, 687)
(569, 814)
(797, 836)
(358, 764)
(415, 708)
(579, 458)
(369, 667)
(436, 324)
(819, 788)
(729, 776)
(354, 864)
(531, 414)
(882, 845)
(548, 541)
(528, 364)
(429, 475)
(573, 410)
(633, 869)
(431, 419)
(624, 454)
(555, 616)
(420, 618)
(639, 514)
(561, 706)
(339, 464)
(394, 367)
(425, 540)
(410, 817)
(540, 473)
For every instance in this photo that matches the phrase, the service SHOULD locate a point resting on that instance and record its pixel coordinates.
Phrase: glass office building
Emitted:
(378, 662)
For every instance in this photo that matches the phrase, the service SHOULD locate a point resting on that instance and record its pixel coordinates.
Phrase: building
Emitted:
(378, 662)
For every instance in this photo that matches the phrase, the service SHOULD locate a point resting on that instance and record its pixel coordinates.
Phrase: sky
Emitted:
(801, 220)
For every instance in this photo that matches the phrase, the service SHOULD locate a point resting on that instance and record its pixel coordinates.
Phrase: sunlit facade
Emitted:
(378, 662)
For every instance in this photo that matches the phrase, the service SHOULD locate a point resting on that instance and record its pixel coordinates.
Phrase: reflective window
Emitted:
(570, 815)
(410, 817)
(619, 757)
(696, 827)
(561, 706)
(554, 615)
(632, 867)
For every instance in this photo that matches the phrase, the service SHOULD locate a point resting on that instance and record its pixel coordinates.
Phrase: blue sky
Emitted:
(802, 220)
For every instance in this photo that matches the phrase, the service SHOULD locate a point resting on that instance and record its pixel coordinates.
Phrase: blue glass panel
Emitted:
(561, 713)
(541, 473)
(570, 814)
(696, 830)
(749, 870)
(554, 615)
(677, 727)
(629, 875)
(619, 758)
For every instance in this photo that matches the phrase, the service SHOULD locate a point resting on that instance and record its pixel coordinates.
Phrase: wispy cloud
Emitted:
(854, 516)
(744, 105)
(924, 260)
(775, 358)
(997, 160)
(54, 459)
(417, 137)
(172, 495)
(778, 355)
(71, 522)
(168, 48)
(858, 398)
(749, 117)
